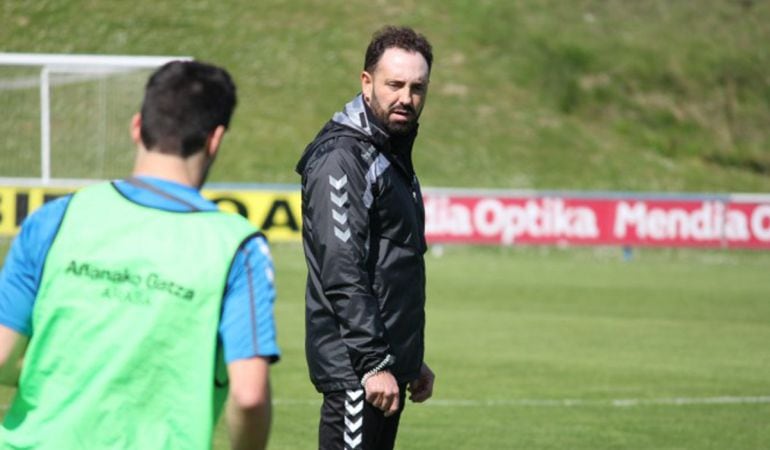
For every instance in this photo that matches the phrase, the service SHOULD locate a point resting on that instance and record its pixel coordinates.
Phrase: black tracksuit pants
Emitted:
(349, 422)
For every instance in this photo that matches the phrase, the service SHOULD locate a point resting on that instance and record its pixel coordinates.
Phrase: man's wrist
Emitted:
(381, 367)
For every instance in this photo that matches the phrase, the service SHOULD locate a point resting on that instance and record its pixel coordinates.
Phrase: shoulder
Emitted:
(337, 146)
(253, 251)
(54, 207)
(27, 254)
(344, 156)
(45, 221)
(256, 251)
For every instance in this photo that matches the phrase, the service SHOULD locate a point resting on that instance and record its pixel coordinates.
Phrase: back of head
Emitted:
(404, 38)
(184, 102)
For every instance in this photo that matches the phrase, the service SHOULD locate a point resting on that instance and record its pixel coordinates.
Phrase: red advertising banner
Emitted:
(505, 217)
(729, 221)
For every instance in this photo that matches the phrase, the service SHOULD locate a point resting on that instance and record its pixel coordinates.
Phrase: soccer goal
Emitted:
(66, 117)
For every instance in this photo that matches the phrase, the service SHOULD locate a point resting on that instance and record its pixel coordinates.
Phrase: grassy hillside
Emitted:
(645, 95)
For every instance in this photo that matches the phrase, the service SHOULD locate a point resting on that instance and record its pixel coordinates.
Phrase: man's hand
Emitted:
(421, 389)
(382, 392)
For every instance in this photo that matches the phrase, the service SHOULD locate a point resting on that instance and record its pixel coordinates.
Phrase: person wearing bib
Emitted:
(139, 306)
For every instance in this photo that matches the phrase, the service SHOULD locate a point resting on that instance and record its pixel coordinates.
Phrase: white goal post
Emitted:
(29, 72)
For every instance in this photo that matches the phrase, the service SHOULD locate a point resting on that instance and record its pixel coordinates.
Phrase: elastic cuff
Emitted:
(389, 359)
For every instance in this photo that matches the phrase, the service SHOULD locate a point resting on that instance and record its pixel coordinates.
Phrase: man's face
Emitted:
(396, 90)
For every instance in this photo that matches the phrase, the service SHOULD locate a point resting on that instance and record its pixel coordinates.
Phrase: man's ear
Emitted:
(136, 129)
(367, 85)
(215, 140)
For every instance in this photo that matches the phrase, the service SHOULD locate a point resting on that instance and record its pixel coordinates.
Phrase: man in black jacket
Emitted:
(363, 232)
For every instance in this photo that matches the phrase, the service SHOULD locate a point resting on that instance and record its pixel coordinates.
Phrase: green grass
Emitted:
(510, 325)
(647, 95)
(506, 325)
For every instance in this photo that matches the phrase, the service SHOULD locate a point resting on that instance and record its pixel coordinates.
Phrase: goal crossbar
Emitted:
(73, 63)
(66, 61)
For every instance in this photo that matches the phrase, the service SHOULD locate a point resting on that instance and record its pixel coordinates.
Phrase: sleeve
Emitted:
(23, 266)
(333, 191)
(247, 328)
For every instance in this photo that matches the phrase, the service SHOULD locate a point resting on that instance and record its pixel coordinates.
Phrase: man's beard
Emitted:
(394, 128)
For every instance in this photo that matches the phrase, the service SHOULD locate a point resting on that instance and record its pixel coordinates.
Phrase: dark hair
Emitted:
(404, 38)
(184, 101)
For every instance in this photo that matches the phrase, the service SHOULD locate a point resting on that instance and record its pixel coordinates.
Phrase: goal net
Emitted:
(66, 117)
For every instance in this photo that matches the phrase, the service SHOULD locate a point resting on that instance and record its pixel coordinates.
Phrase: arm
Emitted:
(334, 193)
(247, 331)
(248, 404)
(12, 347)
(19, 280)
(338, 239)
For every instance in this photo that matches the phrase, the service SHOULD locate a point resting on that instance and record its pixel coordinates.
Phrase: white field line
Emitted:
(557, 403)
(569, 402)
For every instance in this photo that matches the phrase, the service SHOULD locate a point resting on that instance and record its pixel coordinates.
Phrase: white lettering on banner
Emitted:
(709, 222)
(736, 226)
(549, 218)
(489, 219)
(553, 219)
(626, 216)
(442, 217)
(760, 223)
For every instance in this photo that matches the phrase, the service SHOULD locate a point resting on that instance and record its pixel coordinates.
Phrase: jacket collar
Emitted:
(357, 115)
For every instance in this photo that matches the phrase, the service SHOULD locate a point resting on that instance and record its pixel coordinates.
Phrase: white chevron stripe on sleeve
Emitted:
(338, 183)
(339, 200)
(355, 395)
(340, 218)
(342, 235)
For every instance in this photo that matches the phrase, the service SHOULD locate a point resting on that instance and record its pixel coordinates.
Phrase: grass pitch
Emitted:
(539, 348)
(555, 349)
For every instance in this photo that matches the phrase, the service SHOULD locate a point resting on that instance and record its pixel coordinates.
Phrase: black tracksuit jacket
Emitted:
(363, 233)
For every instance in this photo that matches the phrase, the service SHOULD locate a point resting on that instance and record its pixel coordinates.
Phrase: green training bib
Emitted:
(124, 328)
